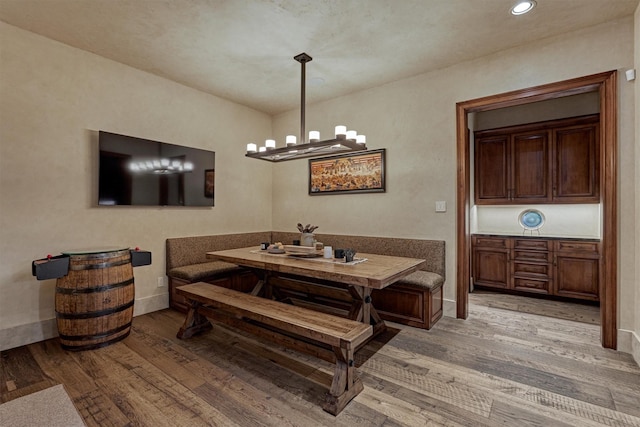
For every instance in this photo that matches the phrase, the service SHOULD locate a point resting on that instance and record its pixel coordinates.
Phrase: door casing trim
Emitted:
(606, 85)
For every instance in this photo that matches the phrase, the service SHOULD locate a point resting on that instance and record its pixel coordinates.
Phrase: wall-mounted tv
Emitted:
(141, 172)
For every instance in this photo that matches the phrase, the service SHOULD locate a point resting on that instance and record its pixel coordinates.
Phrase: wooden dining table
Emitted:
(329, 285)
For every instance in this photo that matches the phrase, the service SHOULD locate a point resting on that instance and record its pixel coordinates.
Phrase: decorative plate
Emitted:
(531, 219)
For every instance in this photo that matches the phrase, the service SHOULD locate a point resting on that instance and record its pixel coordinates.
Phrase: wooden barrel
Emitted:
(94, 301)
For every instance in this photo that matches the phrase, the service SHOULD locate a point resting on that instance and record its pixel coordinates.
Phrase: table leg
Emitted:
(362, 309)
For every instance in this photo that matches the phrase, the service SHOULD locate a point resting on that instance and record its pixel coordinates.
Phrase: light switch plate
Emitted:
(441, 206)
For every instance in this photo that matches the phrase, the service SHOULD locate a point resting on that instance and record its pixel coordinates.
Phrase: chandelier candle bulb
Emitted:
(361, 139)
(351, 135)
(314, 136)
(341, 132)
(262, 149)
(252, 148)
(290, 140)
(270, 144)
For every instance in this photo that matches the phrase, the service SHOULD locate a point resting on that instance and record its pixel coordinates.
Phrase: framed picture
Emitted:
(361, 172)
(209, 181)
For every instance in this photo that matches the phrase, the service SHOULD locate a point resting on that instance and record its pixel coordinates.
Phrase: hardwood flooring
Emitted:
(501, 367)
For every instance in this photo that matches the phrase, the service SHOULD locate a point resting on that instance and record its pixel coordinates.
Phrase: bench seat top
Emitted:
(326, 328)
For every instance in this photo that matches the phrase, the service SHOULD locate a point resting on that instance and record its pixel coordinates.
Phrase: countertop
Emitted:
(536, 236)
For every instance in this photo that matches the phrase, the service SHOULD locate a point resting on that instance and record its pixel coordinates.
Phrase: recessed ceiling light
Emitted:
(523, 7)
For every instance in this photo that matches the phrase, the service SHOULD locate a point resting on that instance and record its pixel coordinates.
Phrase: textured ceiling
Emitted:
(242, 50)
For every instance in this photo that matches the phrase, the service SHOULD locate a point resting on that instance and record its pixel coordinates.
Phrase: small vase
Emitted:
(307, 239)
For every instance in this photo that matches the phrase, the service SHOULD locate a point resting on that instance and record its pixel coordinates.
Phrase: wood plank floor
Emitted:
(501, 367)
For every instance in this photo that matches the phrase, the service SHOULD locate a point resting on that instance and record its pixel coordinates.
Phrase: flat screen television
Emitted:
(141, 172)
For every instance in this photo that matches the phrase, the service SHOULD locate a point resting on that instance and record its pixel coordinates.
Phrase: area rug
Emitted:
(51, 407)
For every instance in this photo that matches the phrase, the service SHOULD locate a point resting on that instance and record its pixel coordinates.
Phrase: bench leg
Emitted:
(345, 385)
(194, 322)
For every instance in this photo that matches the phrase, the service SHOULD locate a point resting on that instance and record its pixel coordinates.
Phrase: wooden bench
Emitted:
(326, 336)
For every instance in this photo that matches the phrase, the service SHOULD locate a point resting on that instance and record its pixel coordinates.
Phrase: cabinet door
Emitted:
(492, 170)
(577, 277)
(577, 269)
(529, 172)
(491, 262)
(576, 164)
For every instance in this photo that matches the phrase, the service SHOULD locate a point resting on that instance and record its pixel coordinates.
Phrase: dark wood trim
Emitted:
(606, 84)
(609, 197)
(463, 235)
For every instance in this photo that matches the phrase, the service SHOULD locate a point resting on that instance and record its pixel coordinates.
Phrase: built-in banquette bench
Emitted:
(415, 300)
(187, 263)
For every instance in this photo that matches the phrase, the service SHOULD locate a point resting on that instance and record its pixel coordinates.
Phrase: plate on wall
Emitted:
(531, 219)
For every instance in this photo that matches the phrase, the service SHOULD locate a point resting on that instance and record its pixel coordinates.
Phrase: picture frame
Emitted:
(360, 172)
(209, 183)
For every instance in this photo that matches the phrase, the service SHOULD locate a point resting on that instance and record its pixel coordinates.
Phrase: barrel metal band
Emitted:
(94, 314)
(72, 291)
(95, 336)
(81, 267)
(95, 346)
(102, 255)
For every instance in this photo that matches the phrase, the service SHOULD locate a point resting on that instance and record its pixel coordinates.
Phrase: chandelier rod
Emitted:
(303, 58)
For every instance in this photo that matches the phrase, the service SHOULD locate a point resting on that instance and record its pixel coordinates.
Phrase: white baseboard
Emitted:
(150, 304)
(26, 334)
(46, 329)
(449, 308)
(629, 342)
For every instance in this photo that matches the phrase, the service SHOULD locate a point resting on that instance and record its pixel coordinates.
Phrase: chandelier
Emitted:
(161, 166)
(343, 141)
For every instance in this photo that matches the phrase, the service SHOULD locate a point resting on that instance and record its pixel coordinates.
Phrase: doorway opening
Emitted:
(605, 85)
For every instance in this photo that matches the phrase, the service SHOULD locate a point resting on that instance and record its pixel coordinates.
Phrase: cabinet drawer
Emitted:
(532, 244)
(531, 269)
(531, 285)
(535, 256)
(577, 246)
(490, 242)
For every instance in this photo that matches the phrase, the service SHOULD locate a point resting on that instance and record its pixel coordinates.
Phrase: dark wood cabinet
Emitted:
(547, 162)
(547, 266)
(577, 266)
(576, 159)
(491, 261)
(492, 183)
(530, 177)
(531, 268)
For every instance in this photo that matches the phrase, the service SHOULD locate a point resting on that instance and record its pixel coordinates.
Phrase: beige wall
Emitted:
(636, 329)
(414, 119)
(53, 100)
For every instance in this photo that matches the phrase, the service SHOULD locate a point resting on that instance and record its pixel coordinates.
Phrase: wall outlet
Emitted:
(161, 281)
(441, 206)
